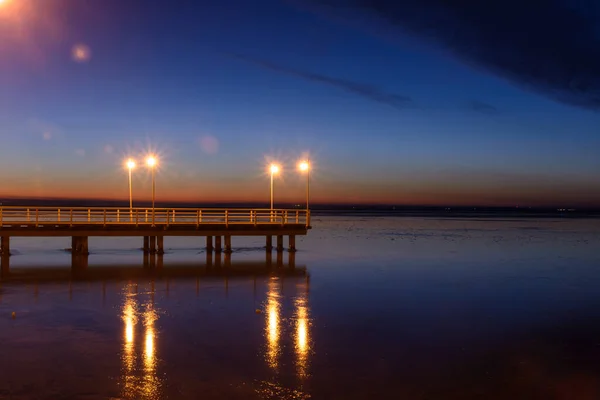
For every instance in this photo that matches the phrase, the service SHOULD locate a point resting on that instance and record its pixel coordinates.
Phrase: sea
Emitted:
(370, 307)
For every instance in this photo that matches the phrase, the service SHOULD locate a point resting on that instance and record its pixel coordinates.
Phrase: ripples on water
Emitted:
(393, 308)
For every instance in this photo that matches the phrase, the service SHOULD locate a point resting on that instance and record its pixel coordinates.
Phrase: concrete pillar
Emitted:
(292, 243)
(218, 248)
(146, 244)
(152, 244)
(161, 245)
(279, 243)
(227, 244)
(5, 246)
(269, 245)
(209, 244)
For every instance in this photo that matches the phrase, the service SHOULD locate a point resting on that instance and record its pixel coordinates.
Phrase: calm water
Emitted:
(407, 308)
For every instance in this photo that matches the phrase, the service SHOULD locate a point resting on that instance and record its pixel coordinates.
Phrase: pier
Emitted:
(217, 226)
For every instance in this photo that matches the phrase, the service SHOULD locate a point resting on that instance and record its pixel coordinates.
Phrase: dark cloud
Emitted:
(367, 91)
(549, 46)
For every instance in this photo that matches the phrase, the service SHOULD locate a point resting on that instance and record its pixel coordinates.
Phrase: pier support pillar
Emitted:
(152, 244)
(218, 248)
(209, 259)
(209, 244)
(161, 245)
(227, 244)
(146, 247)
(292, 243)
(279, 243)
(5, 246)
(227, 260)
(79, 245)
(269, 245)
(292, 259)
(84, 243)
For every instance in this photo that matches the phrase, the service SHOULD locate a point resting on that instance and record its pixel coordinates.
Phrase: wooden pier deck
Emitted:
(153, 224)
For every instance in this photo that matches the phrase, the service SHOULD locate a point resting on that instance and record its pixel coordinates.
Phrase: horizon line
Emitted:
(301, 205)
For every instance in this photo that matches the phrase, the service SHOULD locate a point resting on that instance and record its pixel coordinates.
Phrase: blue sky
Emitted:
(250, 76)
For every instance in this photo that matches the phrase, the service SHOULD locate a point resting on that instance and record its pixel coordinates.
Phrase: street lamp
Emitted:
(130, 166)
(151, 163)
(274, 170)
(304, 166)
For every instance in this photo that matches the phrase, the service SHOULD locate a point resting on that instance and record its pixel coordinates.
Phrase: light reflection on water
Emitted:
(139, 382)
(277, 336)
(273, 328)
(302, 334)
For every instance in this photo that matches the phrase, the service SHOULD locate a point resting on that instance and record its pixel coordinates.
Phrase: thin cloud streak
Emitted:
(366, 91)
(550, 47)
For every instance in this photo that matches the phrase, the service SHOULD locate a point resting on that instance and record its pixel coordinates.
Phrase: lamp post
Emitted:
(151, 162)
(274, 170)
(130, 167)
(304, 166)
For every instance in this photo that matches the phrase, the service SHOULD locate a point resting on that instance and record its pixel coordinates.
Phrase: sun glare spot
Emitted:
(81, 53)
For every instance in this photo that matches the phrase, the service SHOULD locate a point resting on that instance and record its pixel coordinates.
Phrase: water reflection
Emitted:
(273, 327)
(129, 318)
(302, 335)
(282, 333)
(139, 382)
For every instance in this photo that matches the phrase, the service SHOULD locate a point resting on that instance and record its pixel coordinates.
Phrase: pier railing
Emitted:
(71, 216)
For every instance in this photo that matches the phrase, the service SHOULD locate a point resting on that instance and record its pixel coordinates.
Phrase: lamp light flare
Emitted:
(274, 169)
(130, 163)
(151, 161)
(304, 166)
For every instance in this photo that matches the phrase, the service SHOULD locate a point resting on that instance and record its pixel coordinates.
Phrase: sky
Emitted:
(420, 102)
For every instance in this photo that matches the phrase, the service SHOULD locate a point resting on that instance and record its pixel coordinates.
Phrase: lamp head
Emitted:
(304, 166)
(151, 161)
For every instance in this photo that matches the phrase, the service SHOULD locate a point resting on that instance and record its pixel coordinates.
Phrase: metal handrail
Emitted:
(16, 215)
